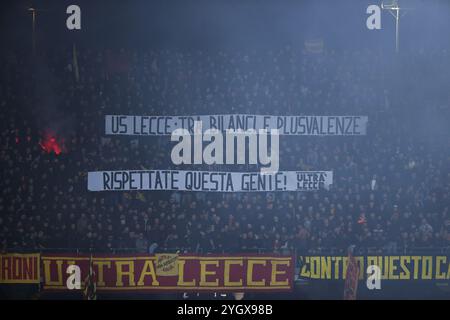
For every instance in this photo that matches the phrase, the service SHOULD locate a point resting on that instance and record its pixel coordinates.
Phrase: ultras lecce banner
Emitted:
(172, 272)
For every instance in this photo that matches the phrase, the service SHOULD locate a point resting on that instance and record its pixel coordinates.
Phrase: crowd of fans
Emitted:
(391, 188)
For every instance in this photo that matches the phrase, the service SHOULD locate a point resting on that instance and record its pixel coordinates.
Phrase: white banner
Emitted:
(183, 180)
(287, 125)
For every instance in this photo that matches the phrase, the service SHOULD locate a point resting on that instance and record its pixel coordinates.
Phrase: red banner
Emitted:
(19, 268)
(171, 272)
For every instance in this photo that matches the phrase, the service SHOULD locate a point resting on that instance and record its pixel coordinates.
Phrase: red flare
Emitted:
(51, 144)
(362, 219)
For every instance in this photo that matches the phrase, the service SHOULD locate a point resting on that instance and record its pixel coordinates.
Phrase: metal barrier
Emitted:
(318, 251)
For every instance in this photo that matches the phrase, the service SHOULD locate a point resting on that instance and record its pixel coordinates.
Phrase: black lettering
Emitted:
(349, 124)
(106, 181)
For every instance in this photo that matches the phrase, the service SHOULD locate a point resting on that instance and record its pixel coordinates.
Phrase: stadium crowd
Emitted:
(391, 188)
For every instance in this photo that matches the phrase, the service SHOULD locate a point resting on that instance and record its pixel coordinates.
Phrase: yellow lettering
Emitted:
(337, 269)
(372, 261)
(393, 267)
(360, 261)
(148, 269)
(325, 268)
(305, 270)
(250, 264)
(5, 268)
(405, 275)
(100, 267)
(315, 267)
(47, 269)
(344, 267)
(204, 273)
(448, 271)
(121, 273)
(384, 265)
(440, 259)
(275, 272)
(427, 268)
(181, 281)
(227, 270)
(416, 260)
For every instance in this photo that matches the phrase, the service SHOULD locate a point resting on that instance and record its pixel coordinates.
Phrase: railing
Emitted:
(315, 251)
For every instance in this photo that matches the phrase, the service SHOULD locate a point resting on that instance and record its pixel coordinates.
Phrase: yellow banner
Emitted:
(166, 264)
(392, 267)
